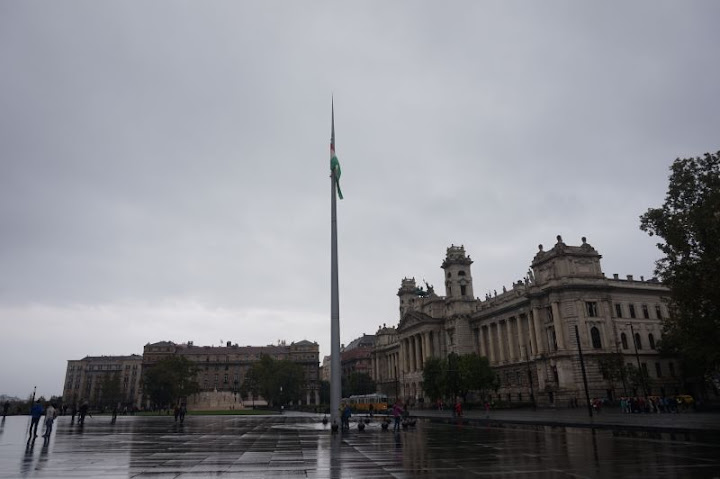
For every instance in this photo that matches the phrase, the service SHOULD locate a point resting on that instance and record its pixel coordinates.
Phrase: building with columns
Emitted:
(529, 331)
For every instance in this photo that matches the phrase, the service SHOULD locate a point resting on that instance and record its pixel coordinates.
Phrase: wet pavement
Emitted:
(292, 446)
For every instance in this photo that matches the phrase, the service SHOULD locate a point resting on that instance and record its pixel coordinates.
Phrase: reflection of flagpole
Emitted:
(335, 387)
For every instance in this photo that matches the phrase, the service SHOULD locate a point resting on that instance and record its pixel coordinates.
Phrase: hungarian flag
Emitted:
(334, 163)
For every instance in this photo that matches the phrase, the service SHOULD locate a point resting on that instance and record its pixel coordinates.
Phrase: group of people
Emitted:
(179, 412)
(651, 404)
(36, 414)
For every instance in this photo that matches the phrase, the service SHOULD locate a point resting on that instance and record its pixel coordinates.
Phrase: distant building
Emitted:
(356, 357)
(223, 368)
(528, 331)
(86, 378)
(325, 369)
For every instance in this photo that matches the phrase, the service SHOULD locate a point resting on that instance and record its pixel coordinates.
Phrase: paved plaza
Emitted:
(296, 445)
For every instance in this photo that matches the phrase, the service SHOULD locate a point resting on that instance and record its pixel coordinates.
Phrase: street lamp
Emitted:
(582, 366)
(637, 358)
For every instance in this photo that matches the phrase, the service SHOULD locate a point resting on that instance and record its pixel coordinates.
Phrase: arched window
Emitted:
(651, 340)
(595, 335)
(638, 342)
(623, 338)
(461, 273)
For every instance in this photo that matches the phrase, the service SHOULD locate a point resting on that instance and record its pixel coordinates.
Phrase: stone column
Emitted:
(421, 343)
(317, 397)
(500, 352)
(307, 397)
(481, 342)
(538, 325)
(491, 344)
(512, 337)
(523, 348)
(557, 322)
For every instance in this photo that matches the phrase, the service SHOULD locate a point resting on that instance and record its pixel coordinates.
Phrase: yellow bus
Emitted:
(363, 402)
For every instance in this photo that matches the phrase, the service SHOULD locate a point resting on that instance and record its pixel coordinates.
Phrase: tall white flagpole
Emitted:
(335, 376)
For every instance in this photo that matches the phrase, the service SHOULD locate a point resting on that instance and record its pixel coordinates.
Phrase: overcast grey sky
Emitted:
(164, 165)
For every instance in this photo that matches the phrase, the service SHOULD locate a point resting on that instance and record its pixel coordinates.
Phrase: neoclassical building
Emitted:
(529, 331)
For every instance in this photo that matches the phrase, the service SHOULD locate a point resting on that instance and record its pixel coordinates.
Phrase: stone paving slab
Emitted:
(294, 446)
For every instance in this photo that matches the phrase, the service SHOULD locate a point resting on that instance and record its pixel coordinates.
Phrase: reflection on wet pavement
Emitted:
(300, 446)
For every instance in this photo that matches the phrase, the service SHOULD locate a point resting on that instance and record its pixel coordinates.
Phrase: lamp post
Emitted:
(582, 366)
(637, 358)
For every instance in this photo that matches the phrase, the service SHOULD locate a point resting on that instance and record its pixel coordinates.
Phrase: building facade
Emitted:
(530, 333)
(356, 357)
(104, 379)
(223, 368)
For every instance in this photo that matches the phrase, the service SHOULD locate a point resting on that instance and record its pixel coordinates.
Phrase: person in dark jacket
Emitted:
(36, 413)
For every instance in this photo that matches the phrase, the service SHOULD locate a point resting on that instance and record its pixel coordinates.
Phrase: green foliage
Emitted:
(278, 381)
(357, 383)
(689, 224)
(638, 379)
(170, 380)
(434, 378)
(110, 390)
(458, 375)
(613, 368)
(476, 374)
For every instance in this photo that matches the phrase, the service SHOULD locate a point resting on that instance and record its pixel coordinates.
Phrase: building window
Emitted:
(618, 310)
(651, 340)
(592, 309)
(644, 369)
(595, 335)
(658, 370)
(623, 339)
(461, 273)
(463, 290)
(632, 310)
(638, 342)
(671, 366)
(658, 312)
(646, 311)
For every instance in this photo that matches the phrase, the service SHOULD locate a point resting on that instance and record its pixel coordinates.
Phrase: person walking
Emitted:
(83, 412)
(347, 412)
(6, 406)
(35, 414)
(50, 414)
(183, 411)
(397, 415)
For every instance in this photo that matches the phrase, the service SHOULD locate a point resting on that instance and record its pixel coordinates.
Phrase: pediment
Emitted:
(413, 318)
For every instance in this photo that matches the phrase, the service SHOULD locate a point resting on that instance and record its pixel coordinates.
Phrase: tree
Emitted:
(638, 379)
(170, 380)
(357, 383)
(110, 390)
(476, 375)
(457, 375)
(434, 378)
(452, 376)
(277, 381)
(689, 224)
(613, 368)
